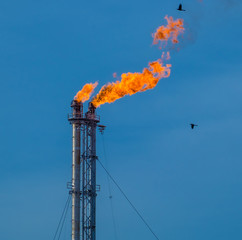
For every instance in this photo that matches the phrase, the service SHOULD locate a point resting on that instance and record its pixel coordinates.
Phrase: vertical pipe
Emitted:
(92, 155)
(76, 182)
(83, 181)
(93, 180)
(86, 197)
(76, 144)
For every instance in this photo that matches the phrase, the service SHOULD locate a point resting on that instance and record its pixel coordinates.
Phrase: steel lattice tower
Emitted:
(83, 185)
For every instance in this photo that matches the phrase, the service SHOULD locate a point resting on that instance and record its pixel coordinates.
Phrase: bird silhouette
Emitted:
(193, 125)
(180, 8)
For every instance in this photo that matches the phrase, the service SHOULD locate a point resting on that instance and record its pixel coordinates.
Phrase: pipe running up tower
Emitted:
(76, 120)
(83, 185)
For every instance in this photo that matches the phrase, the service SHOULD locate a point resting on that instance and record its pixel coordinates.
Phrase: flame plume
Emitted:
(86, 92)
(170, 31)
(132, 83)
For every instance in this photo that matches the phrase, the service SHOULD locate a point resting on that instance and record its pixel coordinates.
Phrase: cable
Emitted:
(132, 205)
(64, 210)
(109, 190)
(64, 218)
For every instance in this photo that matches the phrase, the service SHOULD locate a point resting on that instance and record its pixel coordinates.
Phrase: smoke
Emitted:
(201, 9)
(224, 3)
(230, 3)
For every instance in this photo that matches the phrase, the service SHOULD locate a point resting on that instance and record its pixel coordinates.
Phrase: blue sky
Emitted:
(187, 184)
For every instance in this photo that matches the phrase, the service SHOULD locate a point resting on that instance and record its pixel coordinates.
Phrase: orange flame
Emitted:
(86, 92)
(170, 31)
(132, 83)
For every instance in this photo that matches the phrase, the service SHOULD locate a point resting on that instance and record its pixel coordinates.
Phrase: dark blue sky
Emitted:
(187, 184)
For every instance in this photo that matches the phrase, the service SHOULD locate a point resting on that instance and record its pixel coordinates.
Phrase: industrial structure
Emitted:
(83, 185)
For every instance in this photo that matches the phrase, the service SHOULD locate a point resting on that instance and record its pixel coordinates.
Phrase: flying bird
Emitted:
(193, 125)
(180, 8)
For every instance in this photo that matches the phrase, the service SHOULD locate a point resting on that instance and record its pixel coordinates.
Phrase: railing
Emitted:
(75, 116)
(81, 116)
(92, 116)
